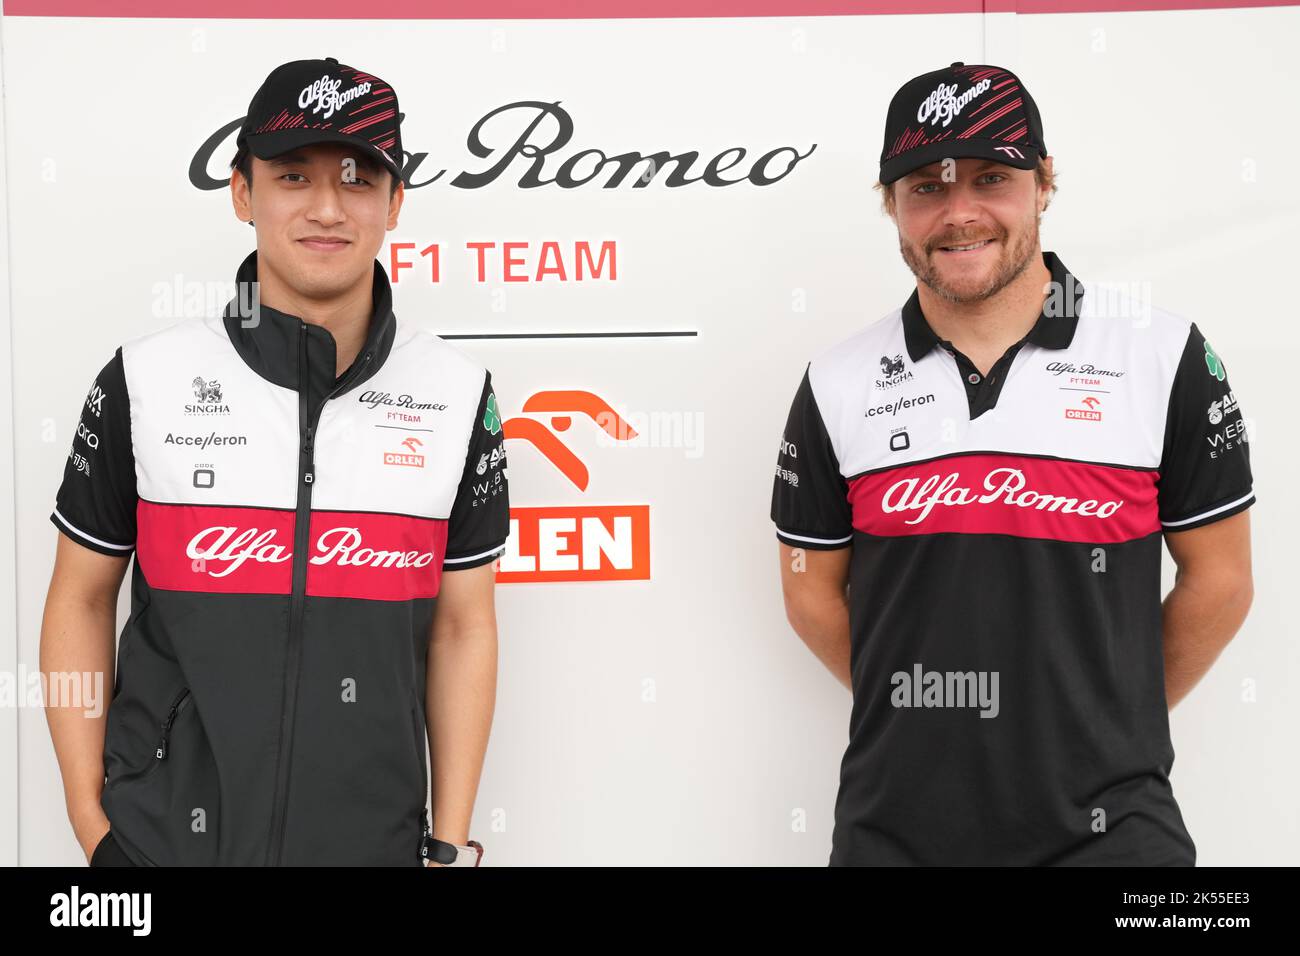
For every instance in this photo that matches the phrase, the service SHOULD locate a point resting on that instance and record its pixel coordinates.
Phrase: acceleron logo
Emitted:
(580, 542)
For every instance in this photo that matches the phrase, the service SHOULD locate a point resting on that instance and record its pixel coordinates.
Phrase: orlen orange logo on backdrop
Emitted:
(573, 542)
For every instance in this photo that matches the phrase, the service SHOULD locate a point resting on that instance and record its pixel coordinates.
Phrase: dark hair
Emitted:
(243, 162)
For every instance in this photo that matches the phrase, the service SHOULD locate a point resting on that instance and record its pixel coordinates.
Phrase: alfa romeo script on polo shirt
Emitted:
(1005, 596)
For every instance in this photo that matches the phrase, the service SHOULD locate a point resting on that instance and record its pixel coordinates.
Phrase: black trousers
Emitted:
(108, 853)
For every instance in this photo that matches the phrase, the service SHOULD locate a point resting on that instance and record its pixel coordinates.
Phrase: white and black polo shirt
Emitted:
(1005, 598)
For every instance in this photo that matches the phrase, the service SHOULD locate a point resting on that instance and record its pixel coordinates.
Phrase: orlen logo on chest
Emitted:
(1013, 495)
(384, 557)
(410, 458)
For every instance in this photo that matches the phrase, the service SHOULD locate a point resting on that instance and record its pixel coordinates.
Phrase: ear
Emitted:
(241, 196)
(1044, 192)
(395, 204)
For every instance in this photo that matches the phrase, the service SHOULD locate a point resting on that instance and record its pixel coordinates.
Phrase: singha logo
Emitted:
(209, 398)
(207, 391)
(893, 370)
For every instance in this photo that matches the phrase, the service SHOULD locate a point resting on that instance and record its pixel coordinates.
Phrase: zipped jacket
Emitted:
(290, 530)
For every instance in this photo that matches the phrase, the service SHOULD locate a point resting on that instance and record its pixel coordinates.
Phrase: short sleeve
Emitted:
(480, 515)
(96, 503)
(810, 503)
(1205, 466)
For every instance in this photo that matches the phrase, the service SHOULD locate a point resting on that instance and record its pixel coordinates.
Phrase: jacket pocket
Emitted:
(162, 743)
(170, 810)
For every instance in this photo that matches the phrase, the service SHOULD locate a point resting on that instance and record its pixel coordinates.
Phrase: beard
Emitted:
(1012, 261)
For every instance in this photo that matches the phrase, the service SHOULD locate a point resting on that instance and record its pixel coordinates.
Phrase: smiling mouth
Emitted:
(321, 243)
(967, 247)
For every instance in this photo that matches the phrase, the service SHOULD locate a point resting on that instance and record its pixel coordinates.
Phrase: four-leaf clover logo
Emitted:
(1214, 363)
(491, 417)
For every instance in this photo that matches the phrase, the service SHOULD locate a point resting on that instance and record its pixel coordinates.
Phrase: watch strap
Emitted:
(448, 854)
(451, 854)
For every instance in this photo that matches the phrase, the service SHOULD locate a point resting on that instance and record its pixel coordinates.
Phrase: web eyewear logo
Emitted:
(1232, 436)
(579, 542)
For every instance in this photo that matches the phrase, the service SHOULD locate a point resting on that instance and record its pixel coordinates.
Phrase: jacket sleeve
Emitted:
(1205, 465)
(810, 504)
(480, 515)
(96, 503)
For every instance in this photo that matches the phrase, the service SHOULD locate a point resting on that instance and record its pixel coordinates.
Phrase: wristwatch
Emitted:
(452, 854)
(448, 854)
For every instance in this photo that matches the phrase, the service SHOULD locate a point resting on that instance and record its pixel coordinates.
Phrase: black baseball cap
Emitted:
(978, 111)
(323, 101)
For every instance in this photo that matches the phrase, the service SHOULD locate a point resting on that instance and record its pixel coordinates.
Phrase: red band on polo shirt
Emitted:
(1008, 494)
(380, 557)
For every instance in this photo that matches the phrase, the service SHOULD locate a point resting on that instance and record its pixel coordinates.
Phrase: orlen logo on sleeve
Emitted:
(580, 542)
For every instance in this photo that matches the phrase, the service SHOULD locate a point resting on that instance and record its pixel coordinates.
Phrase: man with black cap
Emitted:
(991, 470)
(297, 478)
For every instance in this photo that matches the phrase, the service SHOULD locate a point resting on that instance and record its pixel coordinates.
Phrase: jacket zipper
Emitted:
(297, 601)
(161, 751)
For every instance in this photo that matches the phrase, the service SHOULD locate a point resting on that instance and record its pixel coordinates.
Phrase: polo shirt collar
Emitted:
(1050, 331)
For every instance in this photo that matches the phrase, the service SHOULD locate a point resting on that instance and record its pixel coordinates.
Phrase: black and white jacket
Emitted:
(290, 532)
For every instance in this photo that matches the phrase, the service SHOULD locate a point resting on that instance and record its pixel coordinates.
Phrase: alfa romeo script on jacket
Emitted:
(290, 531)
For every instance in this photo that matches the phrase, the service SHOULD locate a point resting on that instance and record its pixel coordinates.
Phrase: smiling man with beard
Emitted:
(991, 471)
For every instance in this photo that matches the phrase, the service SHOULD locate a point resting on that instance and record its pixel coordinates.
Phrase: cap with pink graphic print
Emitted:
(323, 101)
(961, 111)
